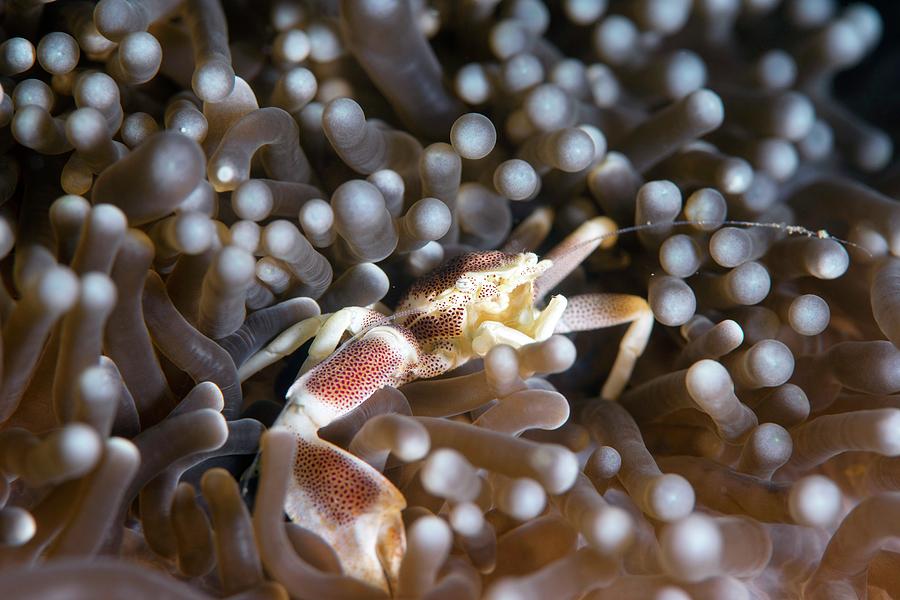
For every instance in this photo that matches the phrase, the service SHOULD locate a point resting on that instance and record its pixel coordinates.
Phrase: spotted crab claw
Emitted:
(332, 492)
(348, 503)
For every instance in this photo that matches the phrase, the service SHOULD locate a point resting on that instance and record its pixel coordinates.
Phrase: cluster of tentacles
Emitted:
(183, 181)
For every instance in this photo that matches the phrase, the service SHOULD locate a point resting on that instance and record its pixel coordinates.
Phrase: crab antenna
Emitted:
(789, 229)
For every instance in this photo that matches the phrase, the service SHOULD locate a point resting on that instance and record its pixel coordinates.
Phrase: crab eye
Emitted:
(465, 284)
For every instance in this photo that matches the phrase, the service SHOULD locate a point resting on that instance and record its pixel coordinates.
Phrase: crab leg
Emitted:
(327, 329)
(352, 320)
(572, 251)
(332, 492)
(596, 311)
(284, 344)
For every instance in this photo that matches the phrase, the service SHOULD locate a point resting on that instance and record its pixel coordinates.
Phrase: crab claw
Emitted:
(391, 545)
(547, 319)
(348, 503)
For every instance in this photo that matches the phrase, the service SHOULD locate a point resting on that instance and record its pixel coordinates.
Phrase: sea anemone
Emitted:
(181, 181)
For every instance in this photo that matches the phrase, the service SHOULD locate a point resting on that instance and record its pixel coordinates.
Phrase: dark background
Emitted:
(872, 89)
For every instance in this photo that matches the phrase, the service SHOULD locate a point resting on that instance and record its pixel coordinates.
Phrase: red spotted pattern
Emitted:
(445, 276)
(433, 364)
(334, 487)
(338, 489)
(346, 378)
(444, 325)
